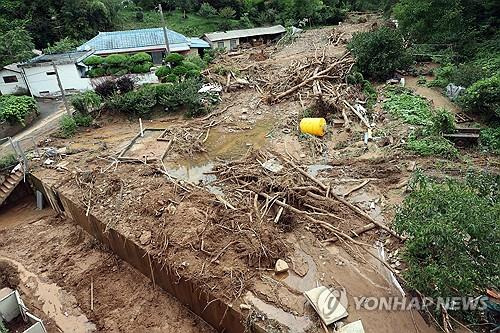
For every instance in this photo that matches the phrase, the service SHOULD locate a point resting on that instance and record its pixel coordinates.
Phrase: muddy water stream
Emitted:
(56, 304)
(220, 145)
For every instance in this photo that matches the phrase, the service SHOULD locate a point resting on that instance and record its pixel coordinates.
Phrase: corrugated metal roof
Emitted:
(216, 36)
(58, 58)
(13, 67)
(131, 39)
(198, 42)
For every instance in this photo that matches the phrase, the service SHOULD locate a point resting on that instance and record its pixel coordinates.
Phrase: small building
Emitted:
(151, 41)
(41, 77)
(12, 81)
(230, 40)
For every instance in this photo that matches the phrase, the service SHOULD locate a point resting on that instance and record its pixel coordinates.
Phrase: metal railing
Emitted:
(19, 148)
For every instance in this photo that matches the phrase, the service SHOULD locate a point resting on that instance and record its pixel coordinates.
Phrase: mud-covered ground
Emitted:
(206, 217)
(56, 263)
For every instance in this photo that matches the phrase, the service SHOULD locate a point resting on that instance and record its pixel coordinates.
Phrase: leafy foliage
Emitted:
(483, 97)
(490, 139)
(125, 84)
(207, 10)
(432, 145)
(14, 109)
(106, 87)
(139, 102)
(412, 109)
(140, 58)
(379, 53)
(163, 71)
(227, 12)
(452, 227)
(86, 102)
(94, 60)
(15, 45)
(442, 121)
(6, 162)
(83, 120)
(67, 126)
(64, 45)
(174, 58)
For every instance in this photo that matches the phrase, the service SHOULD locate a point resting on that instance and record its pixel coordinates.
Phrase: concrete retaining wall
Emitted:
(215, 312)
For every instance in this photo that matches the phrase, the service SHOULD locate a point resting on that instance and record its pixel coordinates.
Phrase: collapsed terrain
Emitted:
(237, 190)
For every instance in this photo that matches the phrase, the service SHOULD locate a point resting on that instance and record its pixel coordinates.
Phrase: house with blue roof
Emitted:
(151, 41)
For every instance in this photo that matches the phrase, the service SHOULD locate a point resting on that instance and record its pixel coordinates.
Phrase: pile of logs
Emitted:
(323, 75)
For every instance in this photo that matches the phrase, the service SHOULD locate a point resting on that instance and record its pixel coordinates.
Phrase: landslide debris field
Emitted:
(219, 199)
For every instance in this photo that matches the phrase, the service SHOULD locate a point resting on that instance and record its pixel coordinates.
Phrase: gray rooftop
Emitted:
(58, 58)
(232, 34)
(135, 39)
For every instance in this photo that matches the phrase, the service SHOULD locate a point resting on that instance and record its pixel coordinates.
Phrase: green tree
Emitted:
(15, 45)
(64, 45)
(227, 13)
(379, 53)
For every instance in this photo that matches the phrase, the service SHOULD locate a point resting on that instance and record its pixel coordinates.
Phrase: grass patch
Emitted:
(412, 109)
(192, 25)
(7, 161)
(431, 146)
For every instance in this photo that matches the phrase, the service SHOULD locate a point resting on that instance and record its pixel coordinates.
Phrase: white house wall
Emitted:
(42, 84)
(11, 88)
(227, 44)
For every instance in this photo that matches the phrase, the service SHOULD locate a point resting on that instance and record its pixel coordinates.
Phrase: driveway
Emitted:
(50, 113)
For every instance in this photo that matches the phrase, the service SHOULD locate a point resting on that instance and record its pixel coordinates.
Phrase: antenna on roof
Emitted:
(167, 47)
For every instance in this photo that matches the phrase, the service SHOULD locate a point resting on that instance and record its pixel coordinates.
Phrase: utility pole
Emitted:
(167, 47)
(62, 90)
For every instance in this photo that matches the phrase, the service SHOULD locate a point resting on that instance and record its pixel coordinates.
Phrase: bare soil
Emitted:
(223, 234)
(53, 263)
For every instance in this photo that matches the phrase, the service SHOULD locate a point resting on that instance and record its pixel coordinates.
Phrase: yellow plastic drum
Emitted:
(314, 126)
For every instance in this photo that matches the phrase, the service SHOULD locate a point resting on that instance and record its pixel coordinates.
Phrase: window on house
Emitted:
(233, 44)
(51, 73)
(10, 79)
(220, 45)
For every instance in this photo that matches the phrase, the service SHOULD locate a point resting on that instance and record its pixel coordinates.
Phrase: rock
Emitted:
(281, 266)
(145, 237)
(245, 306)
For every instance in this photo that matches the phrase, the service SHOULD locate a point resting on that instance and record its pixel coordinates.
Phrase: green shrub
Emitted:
(140, 58)
(193, 73)
(116, 59)
(432, 145)
(163, 71)
(452, 227)
(138, 103)
(14, 109)
(183, 93)
(190, 65)
(86, 102)
(83, 120)
(461, 75)
(7, 161)
(404, 104)
(67, 126)
(180, 70)
(94, 60)
(442, 121)
(490, 139)
(379, 53)
(174, 58)
(172, 78)
(197, 60)
(142, 68)
(483, 97)
(96, 72)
